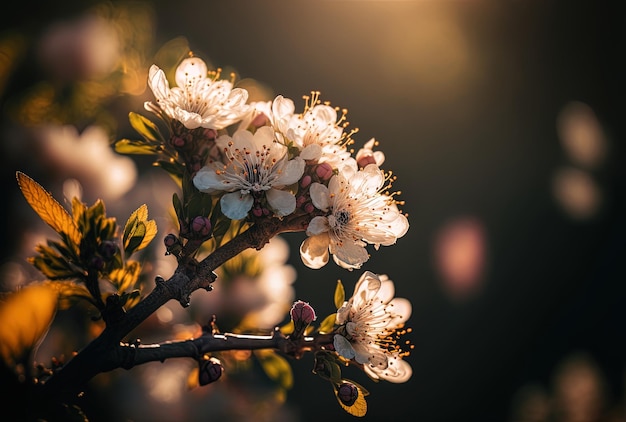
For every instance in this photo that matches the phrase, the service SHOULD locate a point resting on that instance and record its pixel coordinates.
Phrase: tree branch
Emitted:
(189, 276)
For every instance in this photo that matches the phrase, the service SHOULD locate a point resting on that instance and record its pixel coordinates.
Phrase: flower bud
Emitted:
(210, 371)
(178, 141)
(365, 160)
(107, 249)
(201, 227)
(302, 312)
(305, 181)
(347, 393)
(324, 171)
(173, 245)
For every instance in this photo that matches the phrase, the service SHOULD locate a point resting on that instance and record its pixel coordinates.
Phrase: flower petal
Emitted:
(314, 251)
(208, 180)
(190, 69)
(320, 196)
(317, 225)
(350, 255)
(291, 172)
(343, 347)
(282, 202)
(397, 370)
(235, 205)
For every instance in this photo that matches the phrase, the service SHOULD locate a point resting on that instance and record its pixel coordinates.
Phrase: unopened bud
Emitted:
(259, 120)
(365, 160)
(201, 226)
(324, 171)
(305, 181)
(347, 393)
(302, 312)
(178, 141)
(172, 244)
(107, 249)
(210, 371)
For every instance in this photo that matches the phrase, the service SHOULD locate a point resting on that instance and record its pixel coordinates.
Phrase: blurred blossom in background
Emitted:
(503, 122)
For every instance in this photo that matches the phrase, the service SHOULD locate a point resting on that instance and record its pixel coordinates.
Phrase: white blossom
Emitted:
(359, 213)
(255, 168)
(371, 322)
(198, 100)
(318, 132)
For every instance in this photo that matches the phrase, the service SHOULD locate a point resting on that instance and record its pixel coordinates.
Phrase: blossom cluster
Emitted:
(280, 163)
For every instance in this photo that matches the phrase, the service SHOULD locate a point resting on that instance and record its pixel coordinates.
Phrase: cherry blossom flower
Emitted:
(359, 213)
(370, 324)
(255, 171)
(198, 100)
(318, 132)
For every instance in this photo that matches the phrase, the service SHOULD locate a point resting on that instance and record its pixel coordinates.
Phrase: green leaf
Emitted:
(178, 207)
(340, 295)
(172, 167)
(127, 146)
(138, 230)
(326, 366)
(276, 367)
(146, 128)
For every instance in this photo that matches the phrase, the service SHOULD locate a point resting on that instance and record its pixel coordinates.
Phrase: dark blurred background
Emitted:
(504, 124)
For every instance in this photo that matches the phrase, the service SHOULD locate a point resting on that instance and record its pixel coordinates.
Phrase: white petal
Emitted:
(397, 371)
(264, 137)
(401, 309)
(343, 313)
(158, 82)
(311, 152)
(320, 195)
(350, 255)
(317, 225)
(343, 347)
(235, 205)
(207, 180)
(282, 107)
(314, 251)
(291, 172)
(282, 202)
(192, 68)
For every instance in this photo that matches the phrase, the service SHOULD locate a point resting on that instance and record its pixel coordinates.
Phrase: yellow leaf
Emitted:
(340, 295)
(50, 211)
(138, 231)
(358, 408)
(25, 316)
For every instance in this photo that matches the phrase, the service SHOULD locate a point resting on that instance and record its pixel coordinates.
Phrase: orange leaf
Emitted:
(50, 211)
(25, 316)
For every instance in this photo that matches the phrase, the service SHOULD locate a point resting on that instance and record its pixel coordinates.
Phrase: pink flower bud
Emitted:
(305, 181)
(324, 171)
(302, 312)
(201, 226)
(365, 160)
